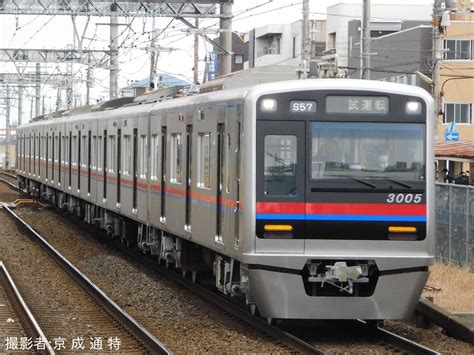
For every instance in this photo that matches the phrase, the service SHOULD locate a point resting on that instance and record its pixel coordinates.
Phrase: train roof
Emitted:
(122, 106)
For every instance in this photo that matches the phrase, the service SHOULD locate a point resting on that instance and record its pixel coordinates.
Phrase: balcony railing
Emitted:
(267, 50)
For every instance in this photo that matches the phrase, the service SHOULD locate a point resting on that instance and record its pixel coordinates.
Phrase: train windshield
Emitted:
(367, 150)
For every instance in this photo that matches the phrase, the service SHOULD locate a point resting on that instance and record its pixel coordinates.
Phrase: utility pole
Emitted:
(58, 99)
(365, 48)
(305, 40)
(88, 82)
(113, 53)
(437, 57)
(7, 129)
(196, 52)
(38, 90)
(225, 60)
(153, 56)
(20, 105)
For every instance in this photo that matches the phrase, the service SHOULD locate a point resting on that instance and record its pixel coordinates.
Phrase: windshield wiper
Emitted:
(401, 183)
(363, 182)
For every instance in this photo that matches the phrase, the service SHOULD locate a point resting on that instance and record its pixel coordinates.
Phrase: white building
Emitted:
(280, 44)
(385, 17)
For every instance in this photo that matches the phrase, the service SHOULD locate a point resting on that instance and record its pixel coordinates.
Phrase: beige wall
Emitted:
(455, 83)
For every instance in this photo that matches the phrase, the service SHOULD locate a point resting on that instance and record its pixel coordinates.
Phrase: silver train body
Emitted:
(230, 182)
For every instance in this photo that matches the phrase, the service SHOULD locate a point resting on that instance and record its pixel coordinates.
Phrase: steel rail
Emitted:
(398, 341)
(8, 174)
(19, 303)
(144, 336)
(10, 185)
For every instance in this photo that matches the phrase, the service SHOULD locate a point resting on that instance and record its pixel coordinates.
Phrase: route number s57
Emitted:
(404, 198)
(302, 106)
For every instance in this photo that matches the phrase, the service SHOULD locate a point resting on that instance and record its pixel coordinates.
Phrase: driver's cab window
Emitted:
(280, 165)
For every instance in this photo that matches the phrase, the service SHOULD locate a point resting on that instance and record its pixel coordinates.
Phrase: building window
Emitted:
(318, 48)
(458, 113)
(458, 49)
(238, 59)
(332, 40)
(294, 47)
(204, 160)
(154, 156)
(176, 158)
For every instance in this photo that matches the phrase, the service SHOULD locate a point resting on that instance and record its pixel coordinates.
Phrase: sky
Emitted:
(36, 32)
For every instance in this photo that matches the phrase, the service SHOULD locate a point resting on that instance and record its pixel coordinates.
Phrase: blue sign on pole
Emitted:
(213, 68)
(451, 136)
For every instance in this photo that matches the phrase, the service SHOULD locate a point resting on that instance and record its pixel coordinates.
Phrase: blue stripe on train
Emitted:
(340, 217)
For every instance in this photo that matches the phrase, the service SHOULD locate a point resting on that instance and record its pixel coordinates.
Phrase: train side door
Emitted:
(280, 207)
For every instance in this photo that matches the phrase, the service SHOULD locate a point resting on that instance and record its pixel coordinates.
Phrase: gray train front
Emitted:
(308, 199)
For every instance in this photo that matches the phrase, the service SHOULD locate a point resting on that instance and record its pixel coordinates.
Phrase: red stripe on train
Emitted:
(342, 208)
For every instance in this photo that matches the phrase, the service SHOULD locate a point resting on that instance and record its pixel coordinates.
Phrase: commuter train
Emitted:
(308, 199)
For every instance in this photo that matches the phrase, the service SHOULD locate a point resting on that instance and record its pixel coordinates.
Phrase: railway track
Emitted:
(379, 339)
(18, 318)
(10, 184)
(9, 177)
(94, 306)
(300, 344)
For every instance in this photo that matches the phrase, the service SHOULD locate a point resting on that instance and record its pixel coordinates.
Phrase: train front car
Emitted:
(344, 191)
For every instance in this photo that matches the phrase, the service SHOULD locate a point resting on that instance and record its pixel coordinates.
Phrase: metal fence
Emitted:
(455, 224)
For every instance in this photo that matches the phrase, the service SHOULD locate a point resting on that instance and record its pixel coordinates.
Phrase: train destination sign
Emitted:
(357, 104)
(299, 106)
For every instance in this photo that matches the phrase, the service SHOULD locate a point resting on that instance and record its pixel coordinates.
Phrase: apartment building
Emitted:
(280, 44)
(455, 120)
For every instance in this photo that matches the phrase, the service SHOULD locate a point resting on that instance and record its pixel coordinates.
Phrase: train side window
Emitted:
(70, 158)
(99, 154)
(176, 158)
(154, 156)
(143, 157)
(66, 150)
(29, 154)
(59, 158)
(112, 158)
(226, 159)
(74, 150)
(84, 153)
(93, 153)
(127, 154)
(280, 165)
(204, 160)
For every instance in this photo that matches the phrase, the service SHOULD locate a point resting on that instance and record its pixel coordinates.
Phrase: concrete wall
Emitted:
(288, 35)
(397, 54)
(339, 15)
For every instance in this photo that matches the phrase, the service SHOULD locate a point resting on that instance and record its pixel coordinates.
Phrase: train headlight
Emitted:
(268, 105)
(413, 108)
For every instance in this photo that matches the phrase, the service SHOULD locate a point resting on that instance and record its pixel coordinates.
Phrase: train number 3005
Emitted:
(404, 198)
